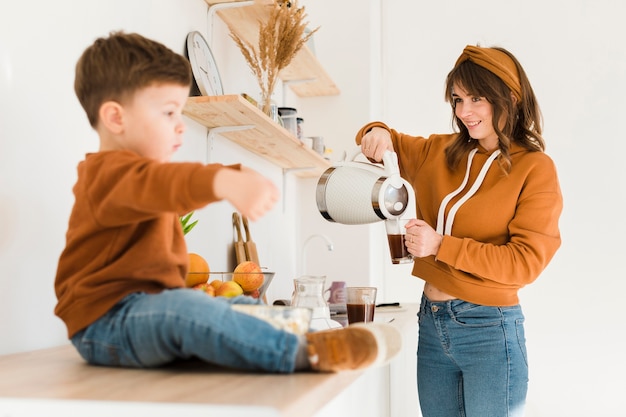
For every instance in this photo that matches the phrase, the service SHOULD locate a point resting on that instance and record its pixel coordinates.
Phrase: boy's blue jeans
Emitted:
(471, 360)
(146, 330)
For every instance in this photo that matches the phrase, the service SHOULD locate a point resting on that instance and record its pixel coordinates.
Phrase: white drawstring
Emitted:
(445, 227)
(446, 200)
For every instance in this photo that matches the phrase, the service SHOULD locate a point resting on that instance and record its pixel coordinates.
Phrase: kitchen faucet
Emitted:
(329, 245)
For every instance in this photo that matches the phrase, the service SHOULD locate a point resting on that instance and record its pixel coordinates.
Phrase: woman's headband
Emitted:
(497, 62)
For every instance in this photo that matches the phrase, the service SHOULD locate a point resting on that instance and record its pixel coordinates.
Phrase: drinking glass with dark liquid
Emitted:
(360, 304)
(396, 235)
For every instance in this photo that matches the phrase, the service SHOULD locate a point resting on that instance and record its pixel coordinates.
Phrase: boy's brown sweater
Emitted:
(124, 233)
(502, 237)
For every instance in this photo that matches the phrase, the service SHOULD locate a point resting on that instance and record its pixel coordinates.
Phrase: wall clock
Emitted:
(203, 65)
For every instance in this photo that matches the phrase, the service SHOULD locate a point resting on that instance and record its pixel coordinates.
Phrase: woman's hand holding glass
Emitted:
(422, 240)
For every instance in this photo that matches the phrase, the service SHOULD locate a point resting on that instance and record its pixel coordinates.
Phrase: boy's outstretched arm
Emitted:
(249, 192)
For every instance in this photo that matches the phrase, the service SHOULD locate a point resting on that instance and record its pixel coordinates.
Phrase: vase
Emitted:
(269, 107)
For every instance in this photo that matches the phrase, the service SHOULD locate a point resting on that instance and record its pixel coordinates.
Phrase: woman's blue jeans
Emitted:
(147, 330)
(471, 360)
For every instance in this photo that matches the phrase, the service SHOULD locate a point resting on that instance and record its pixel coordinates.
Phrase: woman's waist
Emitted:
(444, 283)
(435, 294)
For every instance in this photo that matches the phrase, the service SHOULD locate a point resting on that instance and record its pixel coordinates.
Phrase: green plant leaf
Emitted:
(188, 228)
(184, 220)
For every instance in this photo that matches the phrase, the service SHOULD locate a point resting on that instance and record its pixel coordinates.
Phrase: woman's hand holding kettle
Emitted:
(375, 142)
(422, 240)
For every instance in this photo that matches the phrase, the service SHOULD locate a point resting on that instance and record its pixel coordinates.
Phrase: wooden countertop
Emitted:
(60, 374)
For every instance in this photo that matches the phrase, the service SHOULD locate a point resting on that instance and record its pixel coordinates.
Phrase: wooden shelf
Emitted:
(265, 138)
(244, 21)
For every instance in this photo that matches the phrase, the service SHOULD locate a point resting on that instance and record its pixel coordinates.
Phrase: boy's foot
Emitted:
(357, 346)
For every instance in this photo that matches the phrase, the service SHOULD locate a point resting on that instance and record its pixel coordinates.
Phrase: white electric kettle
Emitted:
(354, 192)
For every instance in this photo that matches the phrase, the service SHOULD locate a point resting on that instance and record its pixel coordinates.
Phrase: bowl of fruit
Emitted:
(247, 279)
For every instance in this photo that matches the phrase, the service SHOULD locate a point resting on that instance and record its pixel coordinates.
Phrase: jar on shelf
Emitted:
(300, 127)
(317, 144)
(289, 118)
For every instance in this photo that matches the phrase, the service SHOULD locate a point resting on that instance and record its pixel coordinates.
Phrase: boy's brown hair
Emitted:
(114, 68)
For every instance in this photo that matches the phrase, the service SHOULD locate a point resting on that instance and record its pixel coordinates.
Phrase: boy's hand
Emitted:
(249, 192)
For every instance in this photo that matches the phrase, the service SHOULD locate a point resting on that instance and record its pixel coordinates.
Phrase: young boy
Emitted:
(120, 278)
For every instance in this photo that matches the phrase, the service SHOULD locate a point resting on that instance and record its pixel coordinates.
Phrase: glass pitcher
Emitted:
(309, 293)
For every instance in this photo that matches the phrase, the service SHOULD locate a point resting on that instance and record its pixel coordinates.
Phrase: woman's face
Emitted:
(476, 113)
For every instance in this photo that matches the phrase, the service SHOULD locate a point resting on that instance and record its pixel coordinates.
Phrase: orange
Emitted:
(197, 270)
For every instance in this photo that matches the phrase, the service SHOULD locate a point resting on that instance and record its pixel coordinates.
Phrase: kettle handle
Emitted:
(390, 159)
(390, 164)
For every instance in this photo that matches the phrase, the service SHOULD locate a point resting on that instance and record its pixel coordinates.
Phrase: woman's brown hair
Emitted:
(523, 120)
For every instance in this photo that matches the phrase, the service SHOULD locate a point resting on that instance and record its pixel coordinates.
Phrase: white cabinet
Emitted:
(389, 391)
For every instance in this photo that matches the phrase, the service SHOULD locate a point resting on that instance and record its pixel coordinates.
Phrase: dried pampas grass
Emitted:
(280, 38)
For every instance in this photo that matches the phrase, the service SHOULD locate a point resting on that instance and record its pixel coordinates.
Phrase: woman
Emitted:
(488, 203)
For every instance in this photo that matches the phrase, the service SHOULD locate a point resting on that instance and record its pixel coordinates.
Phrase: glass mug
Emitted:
(360, 304)
(396, 236)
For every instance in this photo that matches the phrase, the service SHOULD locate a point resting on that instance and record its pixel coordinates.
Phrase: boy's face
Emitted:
(153, 122)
